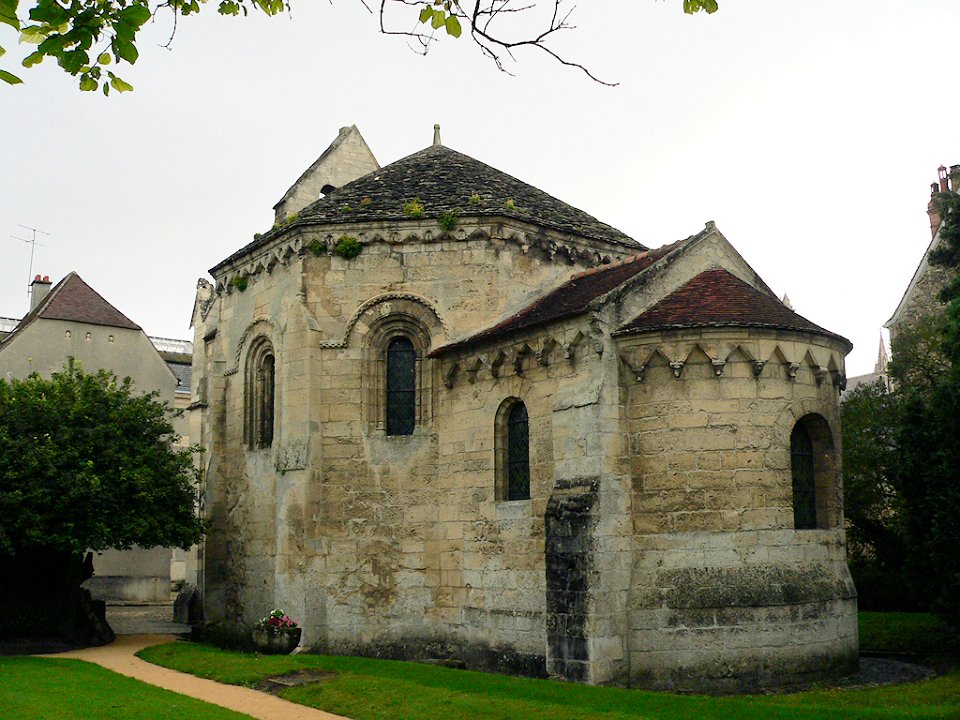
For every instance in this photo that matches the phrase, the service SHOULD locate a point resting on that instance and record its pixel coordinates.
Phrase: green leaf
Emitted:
(2, 51)
(438, 19)
(426, 14)
(73, 61)
(135, 15)
(120, 85)
(453, 26)
(710, 6)
(53, 45)
(126, 51)
(104, 58)
(8, 15)
(50, 13)
(9, 78)
(87, 83)
(34, 58)
(33, 35)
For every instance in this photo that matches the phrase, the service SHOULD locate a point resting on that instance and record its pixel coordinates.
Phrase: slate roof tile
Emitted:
(716, 298)
(445, 180)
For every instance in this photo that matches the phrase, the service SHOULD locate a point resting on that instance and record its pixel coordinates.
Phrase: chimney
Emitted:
(39, 289)
(942, 185)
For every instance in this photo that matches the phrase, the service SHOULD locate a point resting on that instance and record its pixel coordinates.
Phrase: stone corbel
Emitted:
(677, 367)
(819, 373)
(543, 354)
(496, 364)
(473, 369)
(839, 379)
(718, 366)
(792, 370)
(636, 371)
(450, 376)
(758, 366)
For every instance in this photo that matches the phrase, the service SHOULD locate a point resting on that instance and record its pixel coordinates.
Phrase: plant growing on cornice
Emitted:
(317, 248)
(239, 282)
(347, 247)
(448, 220)
(346, 209)
(475, 199)
(510, 204)
(257, 236)
(413, 208)
(366, 201)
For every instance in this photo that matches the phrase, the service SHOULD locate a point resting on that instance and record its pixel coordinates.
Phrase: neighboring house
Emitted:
(509, 435)
(72, 319)
(921, 298)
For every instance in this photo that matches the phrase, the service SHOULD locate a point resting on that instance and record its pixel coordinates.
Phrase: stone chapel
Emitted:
(451, 417)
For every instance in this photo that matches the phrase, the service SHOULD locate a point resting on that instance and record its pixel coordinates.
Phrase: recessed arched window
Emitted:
(512, 448)
(817, 498)
(804, 479)
(260, 395)
(401, 402)
(518, 453)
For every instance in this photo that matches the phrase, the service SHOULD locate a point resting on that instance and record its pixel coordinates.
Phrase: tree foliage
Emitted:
(902, 457)
(87, 464)
(86, 37)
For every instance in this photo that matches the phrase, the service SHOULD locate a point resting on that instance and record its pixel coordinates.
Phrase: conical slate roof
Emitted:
(445, 180)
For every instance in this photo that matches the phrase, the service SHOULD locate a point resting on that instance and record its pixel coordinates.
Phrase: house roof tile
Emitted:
(72, 299)
(570, 299)
(717, 298)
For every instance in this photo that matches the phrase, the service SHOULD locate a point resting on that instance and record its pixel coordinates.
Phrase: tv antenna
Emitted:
(32, 242)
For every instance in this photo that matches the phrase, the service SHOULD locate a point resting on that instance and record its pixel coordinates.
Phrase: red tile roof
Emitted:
(571, 298)
(716, 298)
(72, 299)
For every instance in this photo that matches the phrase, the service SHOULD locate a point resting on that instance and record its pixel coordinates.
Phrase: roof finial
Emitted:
(436, 134)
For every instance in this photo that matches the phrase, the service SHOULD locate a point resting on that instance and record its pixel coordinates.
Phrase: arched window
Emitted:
(817, 499)
(401, 402)
(260, 395)
(804, 482)
(512, 447)
(518, 453)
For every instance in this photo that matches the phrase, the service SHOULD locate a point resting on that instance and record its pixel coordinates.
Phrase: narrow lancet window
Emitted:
(401, 387)
(518, 453)
(804, 479)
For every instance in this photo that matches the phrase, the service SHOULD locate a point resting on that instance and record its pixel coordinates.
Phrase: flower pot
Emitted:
(276, 644)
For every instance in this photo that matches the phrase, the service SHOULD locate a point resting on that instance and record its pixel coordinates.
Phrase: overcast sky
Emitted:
(810, 131)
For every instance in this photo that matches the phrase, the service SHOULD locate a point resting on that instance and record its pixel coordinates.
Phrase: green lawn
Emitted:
(54, 689)
(902, 632)
(367, 689)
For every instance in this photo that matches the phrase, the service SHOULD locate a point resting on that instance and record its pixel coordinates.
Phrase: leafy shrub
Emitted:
(510, 204)
(239, 282)
(448, 220)
(413, 208)
(347, 247)
(475, 199)
(317, 248)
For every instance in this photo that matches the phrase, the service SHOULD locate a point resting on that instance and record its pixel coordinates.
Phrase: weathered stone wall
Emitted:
(726, 594)
(657, 546)
(923, 299)
(362, 535)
